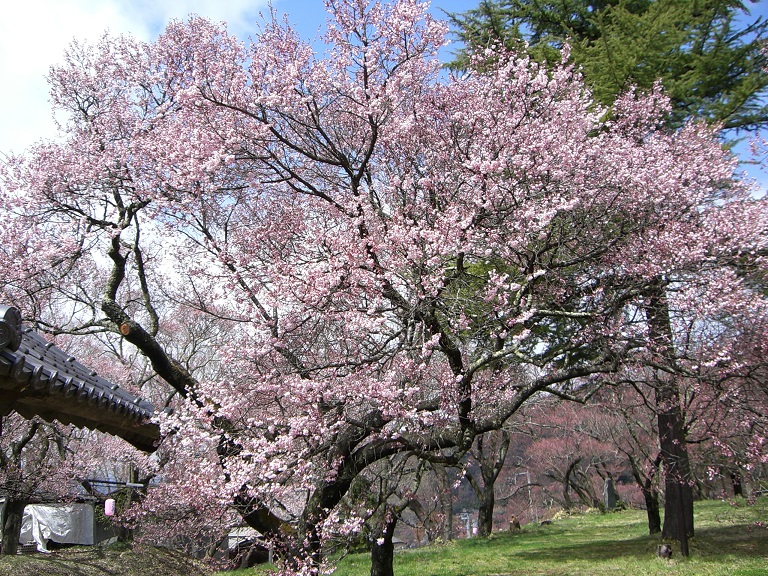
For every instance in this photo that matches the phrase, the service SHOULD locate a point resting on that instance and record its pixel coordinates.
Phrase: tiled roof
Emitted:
(37, 378)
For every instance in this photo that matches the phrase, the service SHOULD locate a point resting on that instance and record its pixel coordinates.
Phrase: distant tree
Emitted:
(49, 462)
(379, 497)
(624, 416)
(567, 454)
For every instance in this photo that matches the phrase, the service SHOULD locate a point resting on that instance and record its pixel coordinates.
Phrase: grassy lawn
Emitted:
(727, 543)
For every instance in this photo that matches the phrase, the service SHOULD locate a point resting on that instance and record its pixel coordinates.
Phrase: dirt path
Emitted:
(95, 561)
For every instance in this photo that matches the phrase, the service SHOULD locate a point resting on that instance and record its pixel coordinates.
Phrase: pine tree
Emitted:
(710, 64)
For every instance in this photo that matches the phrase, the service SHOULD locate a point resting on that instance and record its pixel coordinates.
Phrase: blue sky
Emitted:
(34, 34)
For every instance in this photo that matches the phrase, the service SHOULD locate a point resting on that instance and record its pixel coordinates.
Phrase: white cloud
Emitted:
(35, 33)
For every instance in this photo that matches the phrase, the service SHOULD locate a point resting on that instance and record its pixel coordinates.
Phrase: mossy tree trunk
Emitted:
(13, 513)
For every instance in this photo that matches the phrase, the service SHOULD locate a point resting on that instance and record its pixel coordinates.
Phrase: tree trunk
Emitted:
(485, 511)
(491, 453)
(309, 550)
(124, 533)
(580, 484)
(13, 513)
(738, 489)
(307, 545)
(653, 511)
(678, 492)
(650, 494)
(446, 501)
(567, 503)
(383, 549)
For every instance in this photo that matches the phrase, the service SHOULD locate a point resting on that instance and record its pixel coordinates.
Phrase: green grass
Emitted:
(727, 542)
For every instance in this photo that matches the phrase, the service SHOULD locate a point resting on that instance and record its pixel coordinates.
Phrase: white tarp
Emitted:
(62, 523)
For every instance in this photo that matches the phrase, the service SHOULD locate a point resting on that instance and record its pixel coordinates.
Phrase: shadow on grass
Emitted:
(710, 542)
(743, 539)
(56, 565)
(103, 562)
(591, 551)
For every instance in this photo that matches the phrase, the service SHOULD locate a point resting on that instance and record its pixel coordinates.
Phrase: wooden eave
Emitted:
(37, 378)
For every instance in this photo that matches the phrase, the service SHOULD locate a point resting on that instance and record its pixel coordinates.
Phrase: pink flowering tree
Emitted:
(48, 462)
(402, 260)
(31, 456)
(725, 389)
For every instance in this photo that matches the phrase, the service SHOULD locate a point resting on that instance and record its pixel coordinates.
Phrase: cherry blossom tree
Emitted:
(30, 464)
(402, 259)
(726, 395)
